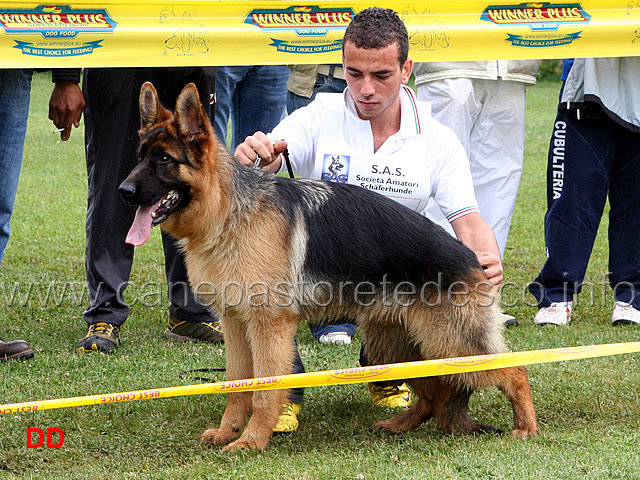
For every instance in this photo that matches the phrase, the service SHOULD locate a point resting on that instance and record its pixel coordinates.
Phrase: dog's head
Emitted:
(171, 148)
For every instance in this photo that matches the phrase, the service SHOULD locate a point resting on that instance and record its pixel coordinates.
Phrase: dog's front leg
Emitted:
(271, 335)
(239, 366)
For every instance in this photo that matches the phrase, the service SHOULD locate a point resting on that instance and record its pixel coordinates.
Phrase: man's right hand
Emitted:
(260, 145)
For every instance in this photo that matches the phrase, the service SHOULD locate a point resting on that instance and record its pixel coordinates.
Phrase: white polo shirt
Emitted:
(327, 140)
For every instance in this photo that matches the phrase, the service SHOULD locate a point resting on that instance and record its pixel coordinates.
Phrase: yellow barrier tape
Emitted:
(114, 33)
(397, 371)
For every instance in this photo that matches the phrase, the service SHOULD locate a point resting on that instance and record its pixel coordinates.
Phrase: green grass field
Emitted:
(589, 410)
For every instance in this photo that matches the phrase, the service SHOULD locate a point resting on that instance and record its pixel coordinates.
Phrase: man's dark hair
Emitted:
(377, 27)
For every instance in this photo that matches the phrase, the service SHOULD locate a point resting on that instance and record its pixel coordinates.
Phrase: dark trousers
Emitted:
(112, 120)
(589, 159)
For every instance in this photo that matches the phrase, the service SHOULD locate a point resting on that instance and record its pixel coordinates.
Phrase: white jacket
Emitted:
(524, 71)
(611, 82)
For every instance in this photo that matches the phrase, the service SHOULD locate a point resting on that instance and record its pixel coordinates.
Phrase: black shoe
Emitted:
(100, 337)
(508, 320)
(180, 331)
(18, 349)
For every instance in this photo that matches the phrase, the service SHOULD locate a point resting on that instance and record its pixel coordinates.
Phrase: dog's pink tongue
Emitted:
(140, 230)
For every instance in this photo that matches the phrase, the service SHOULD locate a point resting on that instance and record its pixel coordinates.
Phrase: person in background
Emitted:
(594, 153)
(112, 120)
(252, 96)
(306, 81)
(15, 93)
(484, 103)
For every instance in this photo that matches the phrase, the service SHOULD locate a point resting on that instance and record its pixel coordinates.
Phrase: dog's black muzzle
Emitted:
(129, 192)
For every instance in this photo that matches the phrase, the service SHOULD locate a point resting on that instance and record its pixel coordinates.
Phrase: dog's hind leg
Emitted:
(390, 343)
(272, 346)
(239, 366)
(444, 332)
(451, 409)
(436, 399)
(417, 414)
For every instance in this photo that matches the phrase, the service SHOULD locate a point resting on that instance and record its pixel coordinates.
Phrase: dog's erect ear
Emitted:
(151, 110)
(190, 116)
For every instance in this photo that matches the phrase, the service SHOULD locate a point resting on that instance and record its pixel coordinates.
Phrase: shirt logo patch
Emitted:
(335, 168)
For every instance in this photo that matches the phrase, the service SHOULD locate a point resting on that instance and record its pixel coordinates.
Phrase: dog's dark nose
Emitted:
(128, 191)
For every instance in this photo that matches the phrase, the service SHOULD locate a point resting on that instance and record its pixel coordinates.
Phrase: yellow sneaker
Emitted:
(288, 420)
(392, 396)
(180, 331)
(100, 337)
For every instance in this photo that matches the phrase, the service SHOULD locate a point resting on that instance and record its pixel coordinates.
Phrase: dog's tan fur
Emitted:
(232, 237)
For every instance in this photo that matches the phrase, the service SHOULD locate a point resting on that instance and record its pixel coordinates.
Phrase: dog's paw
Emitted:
(241, 444)
(487, 430)
(524, 432)
(218, 437)
(386, 426)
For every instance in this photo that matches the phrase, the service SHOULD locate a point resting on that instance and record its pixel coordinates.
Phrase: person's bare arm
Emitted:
(475, 233)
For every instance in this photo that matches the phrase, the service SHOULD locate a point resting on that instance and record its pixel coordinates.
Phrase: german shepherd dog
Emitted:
(269, 252)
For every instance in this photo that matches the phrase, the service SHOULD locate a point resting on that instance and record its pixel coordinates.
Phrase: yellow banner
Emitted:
(115, 33)
(397, 371)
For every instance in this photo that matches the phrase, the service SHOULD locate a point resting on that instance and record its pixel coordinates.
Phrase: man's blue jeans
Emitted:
(254, 96)
(324, 84)
(15, 92)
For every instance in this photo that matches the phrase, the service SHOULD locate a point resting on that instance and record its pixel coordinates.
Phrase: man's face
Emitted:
(374, 77)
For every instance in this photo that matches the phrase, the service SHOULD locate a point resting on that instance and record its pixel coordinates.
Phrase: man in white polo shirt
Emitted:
(376, 135)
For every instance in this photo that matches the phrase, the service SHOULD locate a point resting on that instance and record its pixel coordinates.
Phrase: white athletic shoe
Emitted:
(624, 314)
(558, 313)
(339, 338)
